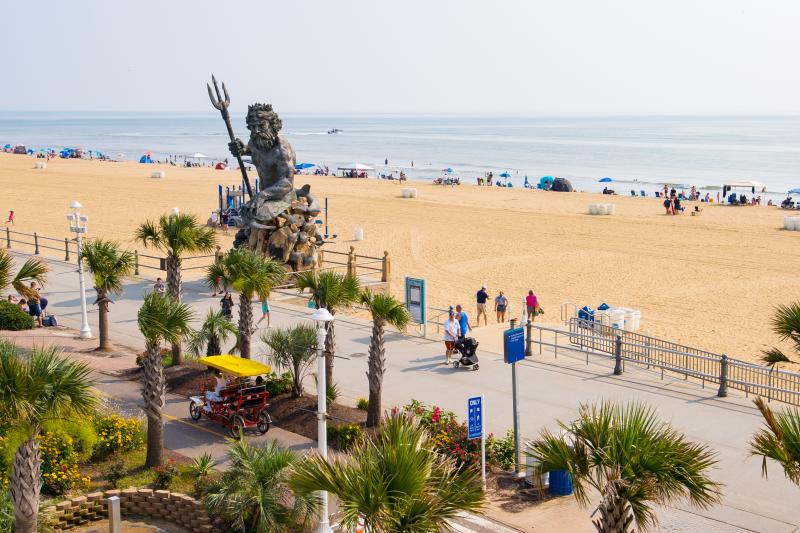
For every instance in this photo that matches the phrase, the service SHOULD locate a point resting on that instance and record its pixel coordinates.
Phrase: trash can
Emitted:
(560, 483)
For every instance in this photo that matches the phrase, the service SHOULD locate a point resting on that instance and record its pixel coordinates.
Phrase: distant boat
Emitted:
(334, 131)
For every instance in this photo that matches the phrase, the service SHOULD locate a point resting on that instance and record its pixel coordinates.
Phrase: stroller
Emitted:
(467, 348)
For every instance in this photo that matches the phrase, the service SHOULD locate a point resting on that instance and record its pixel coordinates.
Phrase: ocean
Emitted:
(641, 152)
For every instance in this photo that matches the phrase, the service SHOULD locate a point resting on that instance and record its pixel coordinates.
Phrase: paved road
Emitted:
(550, 389)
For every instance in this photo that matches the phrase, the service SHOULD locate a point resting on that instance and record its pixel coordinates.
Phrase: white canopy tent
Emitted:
(359, 167)
(745, 184)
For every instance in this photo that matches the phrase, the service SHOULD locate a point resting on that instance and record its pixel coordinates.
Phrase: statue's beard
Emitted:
(262, 140)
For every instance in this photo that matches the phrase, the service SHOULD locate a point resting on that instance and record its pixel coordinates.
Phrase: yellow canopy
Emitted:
(234, 365)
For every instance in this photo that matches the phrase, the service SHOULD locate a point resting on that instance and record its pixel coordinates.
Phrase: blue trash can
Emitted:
(560, 483)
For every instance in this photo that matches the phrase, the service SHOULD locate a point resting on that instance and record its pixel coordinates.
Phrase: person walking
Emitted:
(10, 218)
(532, 305)
(226, 303)
(463, 322)
(451, 330)
(218, 255)
(500, 307)
(264, 312)
(481, 298)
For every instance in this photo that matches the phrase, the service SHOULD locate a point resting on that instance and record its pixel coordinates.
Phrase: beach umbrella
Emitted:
(606, 180)
(7, 147)
(449, 170)
(198, 155)
(795, 191)
(303, 166)
(505, 175)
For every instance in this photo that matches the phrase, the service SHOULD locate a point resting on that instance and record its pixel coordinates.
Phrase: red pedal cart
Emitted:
(241, 405)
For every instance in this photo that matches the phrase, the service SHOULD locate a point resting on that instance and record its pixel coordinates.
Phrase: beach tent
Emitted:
(220, 166)
(606, 180)
(795, 191)
(357, 167)
(561, 185)
(545, 182)
(744, 184)
(303, 166)
(145, 159)
(198, 155)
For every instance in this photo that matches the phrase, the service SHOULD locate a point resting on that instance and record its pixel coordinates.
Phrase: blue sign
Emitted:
(475, 417)
(415, 299)
(514, 345)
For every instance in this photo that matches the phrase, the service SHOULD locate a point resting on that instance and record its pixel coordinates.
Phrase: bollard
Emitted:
(351, 262)
(618, 356)
(8, 238)
(512, 323)
(385, 267)
(136, 262)
(114, 515)
(66, 249)
(35, 243)
(723, 377)
(529, 328)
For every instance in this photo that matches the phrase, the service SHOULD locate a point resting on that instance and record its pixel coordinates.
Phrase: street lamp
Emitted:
(321, 316)
(77, 225)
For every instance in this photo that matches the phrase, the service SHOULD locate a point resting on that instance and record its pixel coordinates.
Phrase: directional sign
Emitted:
(514, 345)
(475, 417)
(415, 299)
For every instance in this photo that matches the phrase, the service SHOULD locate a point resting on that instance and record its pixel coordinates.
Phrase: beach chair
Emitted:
(633, 193)
(642, 193)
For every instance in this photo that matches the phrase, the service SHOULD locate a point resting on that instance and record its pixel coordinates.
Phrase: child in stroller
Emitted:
(467, 347)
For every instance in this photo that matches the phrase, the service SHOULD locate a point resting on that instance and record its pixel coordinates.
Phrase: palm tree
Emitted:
(385, 309)
(161, 319)
(395, 480)
(251, 276)
(35, 389)
(253, 495)
(176, 235)
(32, 270)
(109, 266)
(293, 349)
(632, 459)
(778, 440)
(215, 330)
(786, 324)
(332, 291)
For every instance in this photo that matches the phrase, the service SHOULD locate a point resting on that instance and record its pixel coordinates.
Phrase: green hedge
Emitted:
(12, 318)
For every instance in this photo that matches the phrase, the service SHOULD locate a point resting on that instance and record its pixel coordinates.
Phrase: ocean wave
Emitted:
(160, 135)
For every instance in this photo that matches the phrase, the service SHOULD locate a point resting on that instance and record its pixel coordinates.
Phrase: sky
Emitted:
(409, 56)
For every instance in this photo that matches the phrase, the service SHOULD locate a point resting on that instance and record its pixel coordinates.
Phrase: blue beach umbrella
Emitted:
(606, 180)
(7, 147)
(303, 166)
(795, 191)
(450, 170)
(505, 175)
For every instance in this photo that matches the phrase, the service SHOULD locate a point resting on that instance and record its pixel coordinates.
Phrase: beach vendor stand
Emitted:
(242, 404)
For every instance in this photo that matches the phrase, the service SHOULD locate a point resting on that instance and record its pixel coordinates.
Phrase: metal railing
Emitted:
(592, 338)
(366, 268)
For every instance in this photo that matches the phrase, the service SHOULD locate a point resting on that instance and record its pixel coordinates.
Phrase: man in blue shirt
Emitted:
(463, 322)
(481, 297)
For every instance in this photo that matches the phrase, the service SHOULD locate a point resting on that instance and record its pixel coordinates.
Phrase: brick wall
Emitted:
(173, 507)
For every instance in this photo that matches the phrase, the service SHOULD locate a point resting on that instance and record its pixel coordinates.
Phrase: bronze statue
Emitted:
(279, 220)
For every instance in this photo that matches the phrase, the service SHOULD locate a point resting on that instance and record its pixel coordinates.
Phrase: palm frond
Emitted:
(773, 356)
(108, 263)
(176, 235)
(329, 289)
(386, 308)
(6, 266)
(163, 319)
(778, 440)
(32, 270)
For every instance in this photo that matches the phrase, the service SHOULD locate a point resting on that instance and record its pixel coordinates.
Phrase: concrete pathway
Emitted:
(550, 389)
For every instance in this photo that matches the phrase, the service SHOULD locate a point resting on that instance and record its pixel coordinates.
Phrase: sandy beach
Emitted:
(710, 281)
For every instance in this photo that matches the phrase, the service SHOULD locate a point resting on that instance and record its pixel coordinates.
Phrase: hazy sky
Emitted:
(551, 56)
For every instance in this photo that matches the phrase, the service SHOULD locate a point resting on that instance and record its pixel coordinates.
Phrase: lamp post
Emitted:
(321, 316)
(77, 225)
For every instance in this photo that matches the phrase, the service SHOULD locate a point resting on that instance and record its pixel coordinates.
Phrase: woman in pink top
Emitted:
(532, 304)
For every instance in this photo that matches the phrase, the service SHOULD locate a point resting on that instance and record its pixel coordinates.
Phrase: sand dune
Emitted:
(710, 281)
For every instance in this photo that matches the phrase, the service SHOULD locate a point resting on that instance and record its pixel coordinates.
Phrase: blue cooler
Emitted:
(560, 483)
(586, 313)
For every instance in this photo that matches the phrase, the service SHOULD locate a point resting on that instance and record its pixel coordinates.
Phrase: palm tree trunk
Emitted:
(102, 304)
(376, 367)
(245, 325)
(330, 352)
(153, 393)
(213, 347)
(615, 511)
(25, 486)
(175, 289)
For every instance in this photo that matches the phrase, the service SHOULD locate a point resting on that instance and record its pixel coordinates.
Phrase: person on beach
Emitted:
(451, 330)
(481, 298)
(531, 305)
(159, 287)
(500, 307)
(227, 306)
(463, 321)
(10, 218)
(264, 312)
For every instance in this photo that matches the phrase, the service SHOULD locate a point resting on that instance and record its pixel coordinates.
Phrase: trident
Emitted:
(222, 105)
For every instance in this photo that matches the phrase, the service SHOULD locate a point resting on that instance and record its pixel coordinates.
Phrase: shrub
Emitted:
(165, 474)
(500, 451)
(202, 470)
(116, 471)
(166, 357)
(331, 393)
(12, 318)
(59, 464)
(117, 434)
(362, 403)
(278, 384)
(345, 436)
(6, 511)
